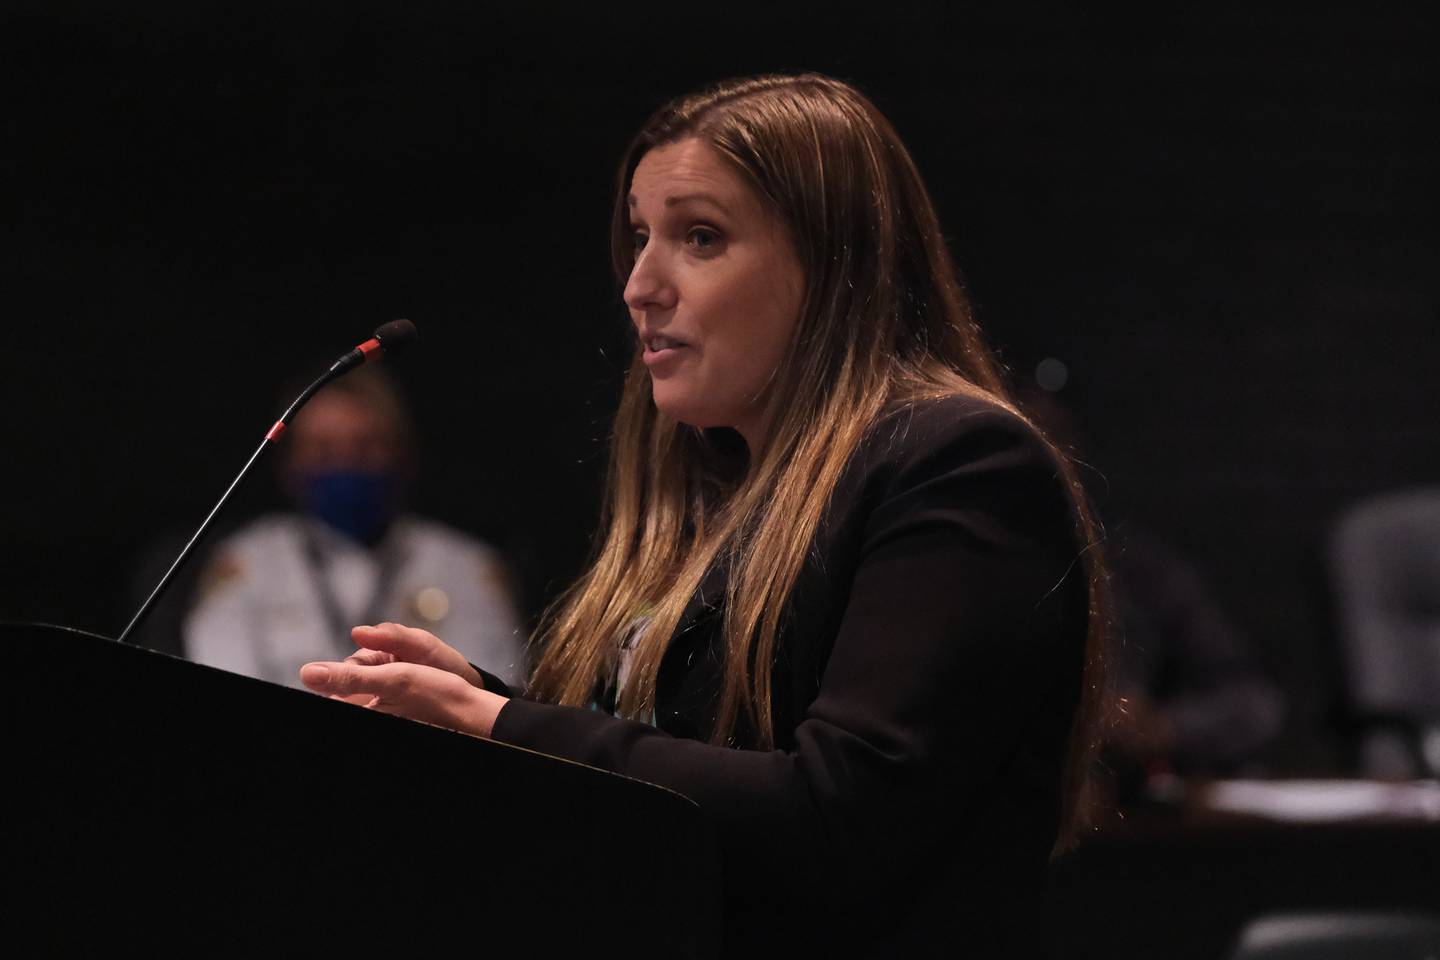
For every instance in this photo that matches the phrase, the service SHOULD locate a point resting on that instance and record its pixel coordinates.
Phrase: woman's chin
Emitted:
(681, 407)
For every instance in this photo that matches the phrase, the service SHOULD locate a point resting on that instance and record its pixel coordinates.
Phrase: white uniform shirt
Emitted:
(260, 610)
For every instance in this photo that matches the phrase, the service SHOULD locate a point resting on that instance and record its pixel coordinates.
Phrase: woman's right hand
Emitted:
(397, 643)
(410, 673)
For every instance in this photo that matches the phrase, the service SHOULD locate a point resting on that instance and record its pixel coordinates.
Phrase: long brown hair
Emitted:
(883, 320)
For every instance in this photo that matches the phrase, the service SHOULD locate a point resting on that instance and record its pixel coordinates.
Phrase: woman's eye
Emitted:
(638, 241)
(703, 238)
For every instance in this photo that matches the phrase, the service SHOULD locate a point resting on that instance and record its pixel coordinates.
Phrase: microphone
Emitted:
(389, 339)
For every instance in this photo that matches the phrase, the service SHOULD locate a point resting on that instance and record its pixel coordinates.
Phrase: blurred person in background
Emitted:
(284, 590)
(1194, 700)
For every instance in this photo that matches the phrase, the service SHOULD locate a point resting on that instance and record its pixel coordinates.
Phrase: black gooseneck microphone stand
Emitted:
(389, 339)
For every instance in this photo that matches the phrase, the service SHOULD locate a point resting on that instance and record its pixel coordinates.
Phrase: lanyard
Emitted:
(336, 622)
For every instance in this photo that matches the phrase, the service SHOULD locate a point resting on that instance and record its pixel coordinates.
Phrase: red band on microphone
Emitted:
(275, 431)
(369, 347)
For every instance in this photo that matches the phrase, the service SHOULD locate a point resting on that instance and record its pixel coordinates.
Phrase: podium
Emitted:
(163, 804)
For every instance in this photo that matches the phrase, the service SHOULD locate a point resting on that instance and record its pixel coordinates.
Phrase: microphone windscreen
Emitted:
(396, 336)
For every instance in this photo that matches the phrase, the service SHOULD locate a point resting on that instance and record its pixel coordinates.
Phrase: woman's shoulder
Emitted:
(959, 452)
(956, 427)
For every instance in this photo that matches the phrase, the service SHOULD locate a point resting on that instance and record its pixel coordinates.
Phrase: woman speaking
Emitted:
(845, 597)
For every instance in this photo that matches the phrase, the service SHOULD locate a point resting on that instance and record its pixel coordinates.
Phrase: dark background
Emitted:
(1223, 222)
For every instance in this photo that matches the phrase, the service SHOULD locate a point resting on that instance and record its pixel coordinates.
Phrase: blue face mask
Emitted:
(358, 503)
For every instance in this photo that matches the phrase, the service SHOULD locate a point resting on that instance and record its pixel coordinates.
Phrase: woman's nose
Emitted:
(650, 286)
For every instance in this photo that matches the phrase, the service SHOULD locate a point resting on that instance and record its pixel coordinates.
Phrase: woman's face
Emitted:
(716, 288)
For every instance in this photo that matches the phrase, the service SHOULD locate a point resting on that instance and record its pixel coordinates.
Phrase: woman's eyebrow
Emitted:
(696, 198)
(632, 201)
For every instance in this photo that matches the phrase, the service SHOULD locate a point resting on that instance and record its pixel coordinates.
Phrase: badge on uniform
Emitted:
(431, 604)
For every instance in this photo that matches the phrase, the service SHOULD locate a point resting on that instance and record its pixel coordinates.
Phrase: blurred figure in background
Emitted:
(1195, 701)
(286, 589)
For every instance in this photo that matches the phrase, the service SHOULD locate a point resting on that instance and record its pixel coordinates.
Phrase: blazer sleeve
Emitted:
(953, 649)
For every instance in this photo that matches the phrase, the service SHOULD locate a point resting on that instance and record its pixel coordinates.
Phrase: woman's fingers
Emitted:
(364, 658)
(359, 699)
(388, 687)
(410, 690)
(370, 658)
(413, 645)
(334, 679)
(410, 644)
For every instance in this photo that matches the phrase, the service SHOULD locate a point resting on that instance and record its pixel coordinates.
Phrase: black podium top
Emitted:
(156, 801)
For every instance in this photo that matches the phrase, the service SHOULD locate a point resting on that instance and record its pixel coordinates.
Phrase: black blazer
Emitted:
(929, 669)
